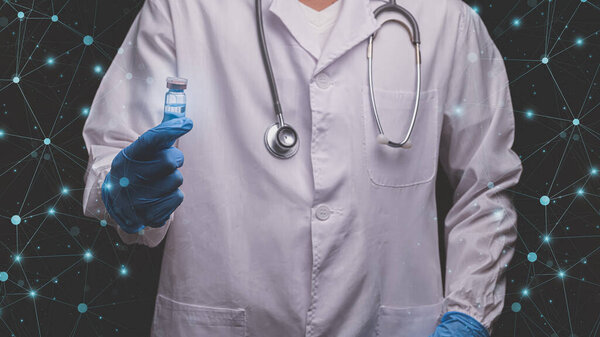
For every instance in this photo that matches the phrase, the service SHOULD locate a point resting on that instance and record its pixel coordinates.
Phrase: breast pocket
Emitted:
(399, 167)
(418, 321)
(172, 318)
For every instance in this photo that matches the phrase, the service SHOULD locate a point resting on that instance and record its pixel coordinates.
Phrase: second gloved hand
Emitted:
(141, 188)
(458, 324)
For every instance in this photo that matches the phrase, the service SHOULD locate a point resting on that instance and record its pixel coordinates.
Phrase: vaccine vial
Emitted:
(175, 98)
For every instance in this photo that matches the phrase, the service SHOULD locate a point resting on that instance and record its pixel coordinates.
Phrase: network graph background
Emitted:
(62, 274)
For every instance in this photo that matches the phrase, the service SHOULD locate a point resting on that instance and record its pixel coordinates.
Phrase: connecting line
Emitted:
(564, 28)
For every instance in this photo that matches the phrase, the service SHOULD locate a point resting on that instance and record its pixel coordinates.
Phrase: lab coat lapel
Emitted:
(354, 24)
(290, 13)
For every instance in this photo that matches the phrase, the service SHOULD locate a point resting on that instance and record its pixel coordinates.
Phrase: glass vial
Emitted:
(175, 98)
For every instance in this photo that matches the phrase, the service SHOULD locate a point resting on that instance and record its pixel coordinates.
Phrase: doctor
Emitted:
(340, 240)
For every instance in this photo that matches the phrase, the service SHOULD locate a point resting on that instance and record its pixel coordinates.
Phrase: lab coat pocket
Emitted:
(400, 167)
(172, 318)
(417, 321)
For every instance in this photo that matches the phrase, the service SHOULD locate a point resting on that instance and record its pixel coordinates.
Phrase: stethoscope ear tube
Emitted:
(381, 137)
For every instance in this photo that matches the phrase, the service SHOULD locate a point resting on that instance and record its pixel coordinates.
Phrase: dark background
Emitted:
(51, 101)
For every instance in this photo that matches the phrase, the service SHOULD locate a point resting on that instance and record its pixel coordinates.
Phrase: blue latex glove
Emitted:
(141, 188)
(458, 324)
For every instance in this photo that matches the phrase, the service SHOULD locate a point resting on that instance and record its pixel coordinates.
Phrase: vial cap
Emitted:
(176, 83)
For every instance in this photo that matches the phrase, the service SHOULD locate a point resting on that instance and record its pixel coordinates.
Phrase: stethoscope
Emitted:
(282, 140)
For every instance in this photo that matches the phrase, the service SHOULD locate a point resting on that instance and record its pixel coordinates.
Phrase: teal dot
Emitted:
(54, 18)
(103, 223)
(15, 220)
(490, 185)
(576, 122)
(20, 15)
(532, 257)
(516, 307)
(82, 307)
(16, 79)
(3, 276)
(124, 182)
(545, 60)
(88, 40)
(545, 200)
(47, 141)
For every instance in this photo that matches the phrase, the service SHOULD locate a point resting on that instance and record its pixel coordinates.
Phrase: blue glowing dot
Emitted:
(476, 9)
(32, 293)
(516, 22)
(579, 42)
(15, 220)
(16, 79)
(3, 276)
(561, 274)
(529, 114)
(103, 223)
(124, 182)
(82, 307)
(51, 211)
(17, 258)
(516, 307)
(1, 133)
(123, 270)
(490, 184)
(50, 60)
(20, 15)
(544, 200)
(545, 60)
(65, 190)
(593, 171)
(525, 292)
(580, 191)
(54, 18)
(97, 69)
(85, 111)
(546, 238)
(532, 257)
(88, 256)
(576, 121)
(88, 40)
(47, 141)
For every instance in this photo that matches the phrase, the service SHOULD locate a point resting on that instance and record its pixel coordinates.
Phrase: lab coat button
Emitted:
(323, 81)
(323, 212)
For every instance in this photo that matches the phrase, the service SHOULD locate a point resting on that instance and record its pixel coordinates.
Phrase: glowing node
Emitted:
(15, 219)
(97, 69)
(88, 256)
(103, 223)
(82, 307)
(545, 60)
(594, 171)
(476, 9)
(123, 270)
(46, 141)
(516, 307)
(576, 122)
(516, 22)
(561, 274)
(65, 190)
(490, 185)
(16, 79)
(532, 257)
(545, 200)
(54, 18)
(580, 191)
(128, 76)
(525, 292)
(124, 182)
(85, 111)
(17, 258)
(1, 133)
(579, 42)
(50, 61)
(20, 15)
(88, 40)
(3, 276)
(547, 238)
(32, 293)
(529, 114)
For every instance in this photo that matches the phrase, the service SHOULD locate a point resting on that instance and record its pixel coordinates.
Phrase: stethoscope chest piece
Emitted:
(282, 142)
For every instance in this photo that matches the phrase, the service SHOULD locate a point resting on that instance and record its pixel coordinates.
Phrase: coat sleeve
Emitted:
(475, 153)
(129, 101)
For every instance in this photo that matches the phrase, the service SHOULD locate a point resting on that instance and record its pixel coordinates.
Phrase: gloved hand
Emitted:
(141, 188)
(458, 324)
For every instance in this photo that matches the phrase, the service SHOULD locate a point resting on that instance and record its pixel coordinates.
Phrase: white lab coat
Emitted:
(340, 240)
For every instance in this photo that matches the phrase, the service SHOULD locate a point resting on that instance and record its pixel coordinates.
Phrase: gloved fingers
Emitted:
(158, 138)
(156, 188)
(157, 215)
(160, 164)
